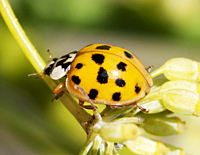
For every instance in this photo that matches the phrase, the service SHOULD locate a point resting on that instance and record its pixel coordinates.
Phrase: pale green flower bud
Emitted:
(180, 69)
(176, 151)
(153, 101)
(142, 145)
(187, 85)
(153, 107)
(182, 102)
(163, 126)
(119, 132)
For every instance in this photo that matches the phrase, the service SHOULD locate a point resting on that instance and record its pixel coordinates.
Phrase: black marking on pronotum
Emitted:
(79, 66)
(98, 58)
(121, 66)
(93, 93)
(120, 82)
(103, 47)
(69, 55)
(137, 89)
(102, 77)
(50, 66)
(76, 79)
(65, 65)
(128, 55)
(54, 59)
(116, 96)
(61, 62)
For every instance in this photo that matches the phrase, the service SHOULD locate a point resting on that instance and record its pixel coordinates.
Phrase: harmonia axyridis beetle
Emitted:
(107, 74)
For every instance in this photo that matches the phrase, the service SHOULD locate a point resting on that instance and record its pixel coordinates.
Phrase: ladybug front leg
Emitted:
(58, 91)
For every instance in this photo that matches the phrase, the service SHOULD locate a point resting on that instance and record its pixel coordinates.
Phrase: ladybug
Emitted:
(103, 74)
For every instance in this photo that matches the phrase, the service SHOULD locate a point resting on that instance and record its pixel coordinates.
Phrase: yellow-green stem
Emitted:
(157, 72)
(6, 11)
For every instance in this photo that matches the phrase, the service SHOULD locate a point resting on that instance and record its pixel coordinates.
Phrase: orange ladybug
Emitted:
(107, 74)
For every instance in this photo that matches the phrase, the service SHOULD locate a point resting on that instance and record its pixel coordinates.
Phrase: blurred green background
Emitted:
(154, 30)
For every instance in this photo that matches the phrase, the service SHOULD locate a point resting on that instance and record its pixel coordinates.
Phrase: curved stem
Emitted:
(6, 11)
(157, 72)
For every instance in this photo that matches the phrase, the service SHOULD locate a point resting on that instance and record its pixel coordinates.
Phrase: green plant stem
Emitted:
(6, 11)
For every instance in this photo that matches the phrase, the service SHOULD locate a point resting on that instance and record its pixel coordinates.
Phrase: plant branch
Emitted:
(6, 11)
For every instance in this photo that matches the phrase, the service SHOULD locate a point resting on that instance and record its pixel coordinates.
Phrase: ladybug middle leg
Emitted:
(96, 114)
(81, 103)
(92, 106)
(58, 91)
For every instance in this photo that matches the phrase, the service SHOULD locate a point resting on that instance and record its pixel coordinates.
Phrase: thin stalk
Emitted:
(29, 50)
(157, 72)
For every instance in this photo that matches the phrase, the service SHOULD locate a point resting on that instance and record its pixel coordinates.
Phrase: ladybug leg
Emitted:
(42, 72)
(88, 98)
(81, 103)
(96, 114)
(149, 69)
(142, 109)
(58, 91)
(40, 76)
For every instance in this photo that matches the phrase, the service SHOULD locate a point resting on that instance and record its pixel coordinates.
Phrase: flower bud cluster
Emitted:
(177, 93)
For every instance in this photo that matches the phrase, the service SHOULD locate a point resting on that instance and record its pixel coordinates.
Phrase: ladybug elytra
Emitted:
(108, 74)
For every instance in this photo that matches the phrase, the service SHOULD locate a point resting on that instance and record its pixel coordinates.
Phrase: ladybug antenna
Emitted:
(42, 72)
(49, 55)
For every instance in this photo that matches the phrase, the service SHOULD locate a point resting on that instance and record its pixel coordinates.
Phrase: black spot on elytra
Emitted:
(128, 55)
(79, 66)
(116, 96)
(76, 79)
(120, 82)
(98, 58)
(121, 66)
(93, 93)
(137, 89)
(103, 47)
(102, 77)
